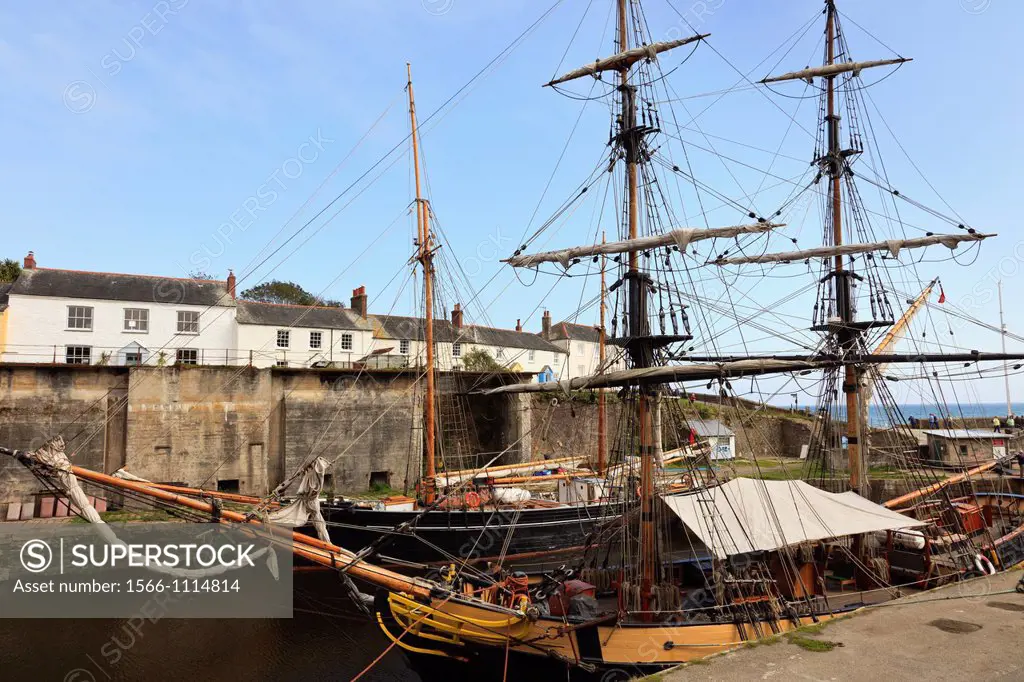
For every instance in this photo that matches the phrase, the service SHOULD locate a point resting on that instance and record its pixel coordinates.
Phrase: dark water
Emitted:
(326, 640)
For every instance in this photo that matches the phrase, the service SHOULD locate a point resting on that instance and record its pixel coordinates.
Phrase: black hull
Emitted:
(477, 535)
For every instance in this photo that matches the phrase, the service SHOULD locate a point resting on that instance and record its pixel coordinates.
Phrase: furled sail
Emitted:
(733, 369)
(682, 238)
(893, 246)
(624, 60)
(811, 73)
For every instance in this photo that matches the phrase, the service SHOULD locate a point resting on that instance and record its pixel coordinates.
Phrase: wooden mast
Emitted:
(426, 258)
(602, 448)
(631, 137)
(844, 297)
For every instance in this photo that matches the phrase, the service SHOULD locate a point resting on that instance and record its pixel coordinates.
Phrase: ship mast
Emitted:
(640, 352)
(1006, 365)
(426, 259)
(602, 448)
(847, 335)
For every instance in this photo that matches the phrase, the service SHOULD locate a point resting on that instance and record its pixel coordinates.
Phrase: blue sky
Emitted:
(161, 137)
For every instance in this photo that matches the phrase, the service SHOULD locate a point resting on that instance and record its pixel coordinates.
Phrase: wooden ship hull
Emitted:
(521, 539)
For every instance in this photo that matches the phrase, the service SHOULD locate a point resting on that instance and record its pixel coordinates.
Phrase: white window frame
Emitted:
(80, 358)
(499, 354)
(456, 350)
(186, 356)
(346, 341)
(140, 316)
(80, 318)
(284, 338)
(532, 355)
(188, 322)
(316, 340)
(129, 355)
(403, 346)
(281, 363)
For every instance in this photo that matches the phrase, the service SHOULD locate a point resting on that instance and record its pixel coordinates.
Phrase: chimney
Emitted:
(231, 283)
(519, 325)
(545, 325)
(359, 301)
(457, 316)
(30, 261)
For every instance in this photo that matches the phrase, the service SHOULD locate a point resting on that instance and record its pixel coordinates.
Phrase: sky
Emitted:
(179, 136)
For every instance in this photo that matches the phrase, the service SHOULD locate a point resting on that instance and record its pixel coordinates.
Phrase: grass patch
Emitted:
(816, 645)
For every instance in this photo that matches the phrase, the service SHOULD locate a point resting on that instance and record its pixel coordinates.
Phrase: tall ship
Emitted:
(681, 556)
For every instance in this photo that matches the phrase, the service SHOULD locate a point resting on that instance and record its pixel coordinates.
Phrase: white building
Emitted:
(68, 316)
(719, 437)
(580, 346)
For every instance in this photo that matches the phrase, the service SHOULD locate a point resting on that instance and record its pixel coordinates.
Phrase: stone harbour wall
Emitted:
(236, 428)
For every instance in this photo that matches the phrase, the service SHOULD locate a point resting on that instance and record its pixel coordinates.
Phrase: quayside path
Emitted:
(967, 631)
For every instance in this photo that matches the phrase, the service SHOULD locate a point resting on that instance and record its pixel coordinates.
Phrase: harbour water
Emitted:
(878, 416)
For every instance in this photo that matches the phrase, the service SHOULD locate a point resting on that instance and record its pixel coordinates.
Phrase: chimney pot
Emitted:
(457, 316)
(231, 283)
(519, 325)
(359, 301)
(30, 261)
(545, 322)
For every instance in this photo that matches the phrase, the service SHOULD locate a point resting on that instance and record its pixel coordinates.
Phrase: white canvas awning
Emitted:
(747, 515)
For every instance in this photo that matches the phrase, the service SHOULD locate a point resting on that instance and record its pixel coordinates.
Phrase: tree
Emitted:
(479, 360)
(203, 275)
(9, 270)
(284, 292)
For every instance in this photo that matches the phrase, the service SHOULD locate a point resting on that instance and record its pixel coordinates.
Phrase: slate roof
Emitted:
(282, 315)
(710, 427)
(575, 332)
(109, 286)
(4, 289)
(400, 327)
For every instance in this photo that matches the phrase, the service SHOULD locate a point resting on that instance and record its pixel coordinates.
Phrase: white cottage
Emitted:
(720, 438)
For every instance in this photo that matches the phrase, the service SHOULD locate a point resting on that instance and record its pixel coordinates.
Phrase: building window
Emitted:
(187, 356)
(582, 369)
(78, 355)
(316, 339)
(456, 350)
(281, 363)
(188, 322)
(346, 342)
(79, 317)
(283, 338)
(403, 346)
(579, 347)
(500, 354)
(136, 320)
(533, 354)
(133, 358)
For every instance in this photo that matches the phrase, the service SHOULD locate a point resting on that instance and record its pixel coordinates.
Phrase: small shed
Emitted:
(970, 447)
(720, 438)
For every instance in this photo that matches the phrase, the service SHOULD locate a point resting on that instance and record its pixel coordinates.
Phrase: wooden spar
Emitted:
(426, 258)
(934, 488)
(602, 452)
(626, 58)
(229, 497)
(680, 238)
(305, 546)
(831, 70)
(893, 246)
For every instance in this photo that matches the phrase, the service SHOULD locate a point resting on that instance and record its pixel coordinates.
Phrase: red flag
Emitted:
(942, 295)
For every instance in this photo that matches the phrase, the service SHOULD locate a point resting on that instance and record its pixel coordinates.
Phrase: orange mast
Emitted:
(426, 258)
